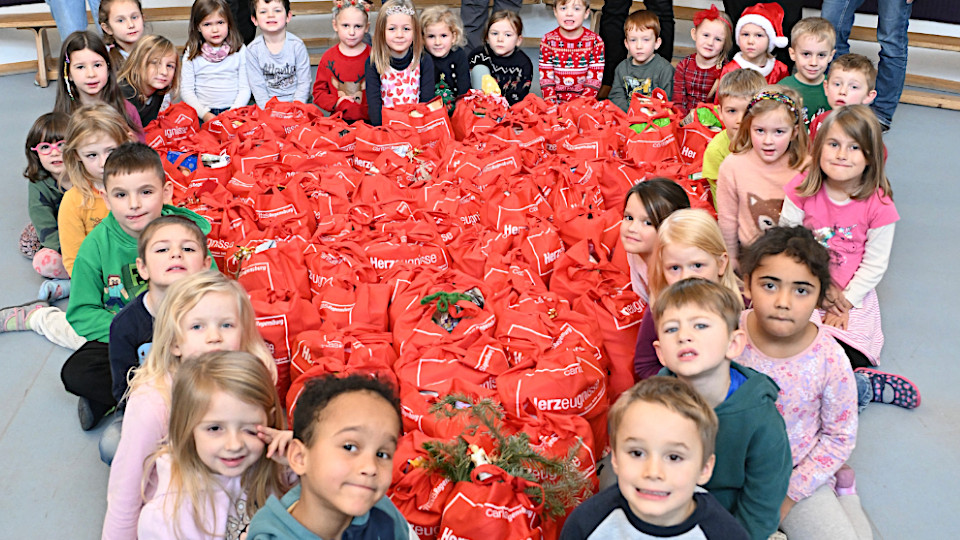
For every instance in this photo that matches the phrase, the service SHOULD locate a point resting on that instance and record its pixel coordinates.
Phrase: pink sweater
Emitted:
(145, 424)
(749, 197)
(818, 401)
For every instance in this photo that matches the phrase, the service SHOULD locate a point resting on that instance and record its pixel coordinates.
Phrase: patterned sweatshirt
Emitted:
(570, 68)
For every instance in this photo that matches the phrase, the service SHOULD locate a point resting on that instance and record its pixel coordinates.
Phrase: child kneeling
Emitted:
(662, 433)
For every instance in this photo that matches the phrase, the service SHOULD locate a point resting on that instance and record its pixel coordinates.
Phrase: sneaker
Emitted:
(14, 318)
(884, 128)
(902, 392)
(846, 481)
(88, 420)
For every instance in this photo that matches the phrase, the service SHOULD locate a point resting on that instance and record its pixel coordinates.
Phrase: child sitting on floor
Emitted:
(501, 58)
(444, 41)
(278, 64)
(696, 76)
(643, 70)
(571, 56)
(811, 48)
(759, 31)
(340, 86)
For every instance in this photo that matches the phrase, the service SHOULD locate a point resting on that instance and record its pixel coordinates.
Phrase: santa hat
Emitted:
(770, 18)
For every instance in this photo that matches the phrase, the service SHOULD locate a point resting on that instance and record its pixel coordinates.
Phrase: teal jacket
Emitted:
(753, 465)
(105, 275)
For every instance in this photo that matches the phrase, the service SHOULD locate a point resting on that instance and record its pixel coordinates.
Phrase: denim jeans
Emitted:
(894, 19)
(110, 439)
(71, 15)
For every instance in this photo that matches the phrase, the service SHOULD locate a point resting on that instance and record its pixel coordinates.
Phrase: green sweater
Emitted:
(753, 465)
(43, 200)
(105, 275)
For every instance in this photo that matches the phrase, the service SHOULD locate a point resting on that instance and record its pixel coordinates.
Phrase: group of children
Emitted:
(758, 406)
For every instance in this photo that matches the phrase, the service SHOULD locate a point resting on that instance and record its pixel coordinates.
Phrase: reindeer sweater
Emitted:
(338, 72)
(749, 197)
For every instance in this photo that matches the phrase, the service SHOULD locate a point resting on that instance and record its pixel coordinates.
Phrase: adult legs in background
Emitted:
(475, 14)
(614, 14)
(792, 12)
(71, 15)
(824, 515)
(241, 14)
(892, 26)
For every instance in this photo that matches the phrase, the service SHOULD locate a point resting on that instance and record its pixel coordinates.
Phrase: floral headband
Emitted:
(400, 9)
(786, 100)
(712, 14)
(340, 5)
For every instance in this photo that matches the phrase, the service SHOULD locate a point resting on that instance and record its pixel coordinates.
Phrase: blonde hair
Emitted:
(149, 49)
(816, 27)
(181, 297)
(695, 228)
(860, 124)
(727, 25)
(675, 395)
(380, 53)
(740, 83)
(797, 151)
(244, 377)
(443, 14)
(89, 121)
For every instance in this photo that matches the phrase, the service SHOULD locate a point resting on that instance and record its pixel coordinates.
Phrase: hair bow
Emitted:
(711, 14)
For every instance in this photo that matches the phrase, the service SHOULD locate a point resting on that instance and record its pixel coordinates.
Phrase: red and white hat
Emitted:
(770, 18)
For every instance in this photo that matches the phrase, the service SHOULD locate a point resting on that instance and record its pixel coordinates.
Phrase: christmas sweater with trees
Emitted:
(570, 68)
(451, 75)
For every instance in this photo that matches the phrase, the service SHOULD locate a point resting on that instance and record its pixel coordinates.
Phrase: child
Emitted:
(345, 432)
(444, 41)
(93, 133)
(734, 93)
(852, 81)
(89, 77)
(201, 313)
(695, 79)
(645, 207)
(40, 241)
(214, 73)
(571, 56)
(213, 474)
(104, 275)
(122, 25)
(787, 275)
(169, 248)
(697, 321)
(340, 86)
(812, 48)
(278, 64)
(759, 31)
(689, 244)
(397, 71)
(501, 58)
(151, 76)
(769, 150)
(643, 70)
(662, 435)
(846, 200)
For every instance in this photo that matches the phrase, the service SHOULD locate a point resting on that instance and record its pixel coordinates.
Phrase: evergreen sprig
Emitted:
(563, 483)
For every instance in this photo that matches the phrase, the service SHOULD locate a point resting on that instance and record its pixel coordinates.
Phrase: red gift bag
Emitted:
(477, 112)
(430, 366)
(418, 494)
(416, 404)
(695, 136)
(618, 312)
(428, 120)
(172, 127)
(493, 505)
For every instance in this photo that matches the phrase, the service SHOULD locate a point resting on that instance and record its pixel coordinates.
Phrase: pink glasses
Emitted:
(45, 148)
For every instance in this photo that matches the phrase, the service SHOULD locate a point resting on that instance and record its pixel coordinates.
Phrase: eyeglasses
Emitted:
(45, 148)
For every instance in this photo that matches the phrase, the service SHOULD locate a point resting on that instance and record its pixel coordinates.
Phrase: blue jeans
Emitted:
(894, 19)
(71, 15)
(110, 438)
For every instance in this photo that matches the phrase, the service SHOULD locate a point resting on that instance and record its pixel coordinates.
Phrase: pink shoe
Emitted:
(903, 392)
(846, 481)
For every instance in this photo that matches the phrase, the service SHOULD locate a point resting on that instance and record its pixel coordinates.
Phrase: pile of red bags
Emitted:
(477, 255)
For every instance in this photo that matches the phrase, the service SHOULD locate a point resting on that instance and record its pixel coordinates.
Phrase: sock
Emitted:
(54, 289)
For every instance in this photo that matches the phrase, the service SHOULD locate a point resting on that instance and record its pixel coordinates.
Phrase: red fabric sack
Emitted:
(325, 367)
(477, 112)
(493, 505)
(618, 313)
(430, 366)
(284, 116)
(583, 267)
(418, 494)
(172, 127)
(346, 304)
(415, 405)
(372, 141)
(272, 266)
(428, 120)
(695, 136)
(282, 315)
(554, 435)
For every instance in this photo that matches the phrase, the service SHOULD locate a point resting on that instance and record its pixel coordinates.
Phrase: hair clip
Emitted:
(711, 14)
(66, 79)
(779, 98)
(400, 10)
(359, 4)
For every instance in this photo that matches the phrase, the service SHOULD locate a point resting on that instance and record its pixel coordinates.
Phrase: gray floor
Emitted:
(906, 461)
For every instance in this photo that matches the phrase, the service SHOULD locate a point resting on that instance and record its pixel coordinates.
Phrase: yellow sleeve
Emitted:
(717, 149)
(70, 226)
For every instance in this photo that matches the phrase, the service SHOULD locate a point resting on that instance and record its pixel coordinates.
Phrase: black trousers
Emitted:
(87, 374)
(612, 17)
(792, 12)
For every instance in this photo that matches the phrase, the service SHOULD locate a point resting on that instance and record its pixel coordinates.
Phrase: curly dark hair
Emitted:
(660, 197)
(319, 392)
(796, 242)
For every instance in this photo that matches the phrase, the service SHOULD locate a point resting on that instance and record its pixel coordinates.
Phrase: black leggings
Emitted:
(857, 358)
(87, 374)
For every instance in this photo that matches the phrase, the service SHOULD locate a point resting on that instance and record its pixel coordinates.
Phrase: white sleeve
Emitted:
(188, 87)
(304, 76)
(243, 89)
(791, 215)
(876, 258)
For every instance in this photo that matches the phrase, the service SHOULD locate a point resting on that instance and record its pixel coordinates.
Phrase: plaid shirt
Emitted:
(692, 84)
